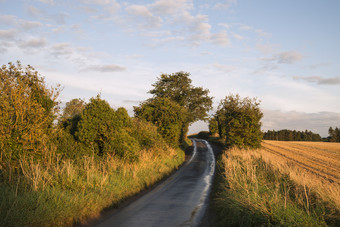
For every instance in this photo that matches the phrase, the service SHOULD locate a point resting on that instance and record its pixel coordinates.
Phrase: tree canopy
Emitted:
(166, 114)
(27, 111)
(178, 87)
(239, 121)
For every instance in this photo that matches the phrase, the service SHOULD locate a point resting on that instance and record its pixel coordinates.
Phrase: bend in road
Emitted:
(181, 200)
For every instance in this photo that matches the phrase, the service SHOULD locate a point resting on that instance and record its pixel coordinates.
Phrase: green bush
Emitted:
(167, 115)
(239, 121)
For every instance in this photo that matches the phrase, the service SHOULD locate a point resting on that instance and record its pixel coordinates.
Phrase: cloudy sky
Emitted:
(286, 53)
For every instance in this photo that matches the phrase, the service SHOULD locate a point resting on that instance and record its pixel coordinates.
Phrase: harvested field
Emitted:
(319, 158)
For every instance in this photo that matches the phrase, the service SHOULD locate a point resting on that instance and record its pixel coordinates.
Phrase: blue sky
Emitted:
(286, 53)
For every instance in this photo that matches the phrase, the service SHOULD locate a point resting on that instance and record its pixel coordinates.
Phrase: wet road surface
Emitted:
(181, 200)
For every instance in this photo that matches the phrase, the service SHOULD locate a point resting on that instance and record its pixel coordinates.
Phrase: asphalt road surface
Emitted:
(181, 200)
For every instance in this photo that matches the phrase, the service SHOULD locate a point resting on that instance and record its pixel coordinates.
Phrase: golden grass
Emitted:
(73, 190)
(279, 184)
(312, 164)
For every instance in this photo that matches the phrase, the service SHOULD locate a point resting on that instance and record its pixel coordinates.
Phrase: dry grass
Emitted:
(315, 164)
(69, 191)
(283, 183)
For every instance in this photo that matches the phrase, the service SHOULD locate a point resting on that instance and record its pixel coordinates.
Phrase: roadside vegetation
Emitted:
(63, 168)
(271, 183)
(256, 187)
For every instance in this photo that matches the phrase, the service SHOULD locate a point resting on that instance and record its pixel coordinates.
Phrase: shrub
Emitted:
(239, 121)
(27, 111)
(167, 115)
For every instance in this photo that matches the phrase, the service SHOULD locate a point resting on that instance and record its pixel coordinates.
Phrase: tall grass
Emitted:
(60, 191)
(255, 188)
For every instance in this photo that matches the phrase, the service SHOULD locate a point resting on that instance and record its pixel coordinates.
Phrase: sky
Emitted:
(286, 53)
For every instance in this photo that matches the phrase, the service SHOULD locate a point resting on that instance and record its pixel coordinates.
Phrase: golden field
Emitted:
(312, 164)
(319, 158)
(279, 184)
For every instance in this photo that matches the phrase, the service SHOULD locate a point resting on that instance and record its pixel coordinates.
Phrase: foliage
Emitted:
(203, 135)
(58, 174)
(67, 191)
(291, 135)
(334, 134)
(213, 125)
(167, 115)
(27, 111)
(97, 125)
(73, 108)
(239, 121)
(178, 88)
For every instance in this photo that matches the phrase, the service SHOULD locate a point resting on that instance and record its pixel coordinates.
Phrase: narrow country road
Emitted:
(181, 200)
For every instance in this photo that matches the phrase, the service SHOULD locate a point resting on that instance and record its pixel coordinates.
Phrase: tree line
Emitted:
(334, 134)
(291, 135)
(32, 126)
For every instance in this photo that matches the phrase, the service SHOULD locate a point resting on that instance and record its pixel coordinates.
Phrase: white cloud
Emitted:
(19, 23)
(50, 2)
(197, 26)
(266, 48)
(8, 34)
(142, 16)
(62, 49)
(171, 7)
(289, 57)
(105, 68)
(319, 80)
(34, 43)
(225, 4)
(58, 18)
(221, 38)
(237, 36)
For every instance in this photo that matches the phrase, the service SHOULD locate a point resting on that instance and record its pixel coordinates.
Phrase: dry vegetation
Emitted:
(316, 158)
(283, 183)
(74, 190)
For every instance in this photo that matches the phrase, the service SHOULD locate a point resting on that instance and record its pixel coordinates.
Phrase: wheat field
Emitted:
(319, 158)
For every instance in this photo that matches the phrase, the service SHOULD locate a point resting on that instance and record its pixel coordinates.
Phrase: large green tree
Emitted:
(239, 121)
(27, 111)
(178, 88)
(166, 114)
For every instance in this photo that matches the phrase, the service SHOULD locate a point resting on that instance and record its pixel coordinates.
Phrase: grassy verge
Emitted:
(70, 191)
(251, 190)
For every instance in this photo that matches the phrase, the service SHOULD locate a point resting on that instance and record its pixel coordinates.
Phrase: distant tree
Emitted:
(166, 114)
(289, 135)
(178, 88)
(73, 108)
(334, 134)
(71, 115)
(28, 109)
(239, 121)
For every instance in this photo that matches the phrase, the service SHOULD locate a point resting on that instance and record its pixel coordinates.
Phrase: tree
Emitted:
(105, 130)
(97, 124)
(73, 108)
(166, 114)
(213, 126)
(239, 121)
(334, 134)
(71, 115)
(178, 88)
(27, 111)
